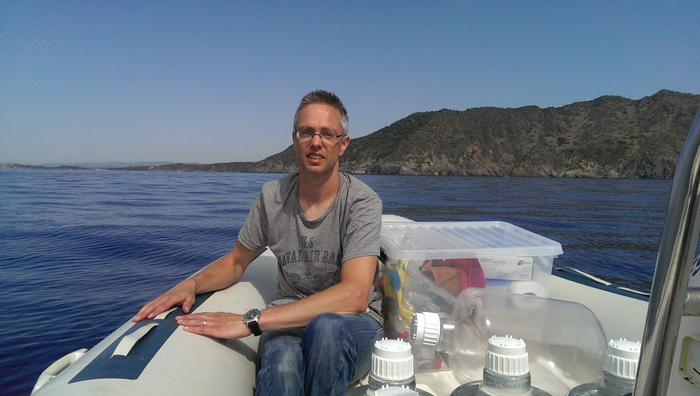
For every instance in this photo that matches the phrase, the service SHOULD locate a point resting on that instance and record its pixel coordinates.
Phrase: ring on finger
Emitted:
(204, 323)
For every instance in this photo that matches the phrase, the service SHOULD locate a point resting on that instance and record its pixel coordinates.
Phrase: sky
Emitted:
(219, 81)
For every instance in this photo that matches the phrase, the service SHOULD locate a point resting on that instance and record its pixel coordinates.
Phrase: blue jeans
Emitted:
(323, 358)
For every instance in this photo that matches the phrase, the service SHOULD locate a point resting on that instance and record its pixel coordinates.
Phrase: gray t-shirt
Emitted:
(311, 253)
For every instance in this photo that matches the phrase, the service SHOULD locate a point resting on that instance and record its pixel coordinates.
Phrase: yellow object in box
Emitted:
(394, 279)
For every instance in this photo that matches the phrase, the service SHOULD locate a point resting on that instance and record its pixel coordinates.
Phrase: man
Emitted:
(323, 227)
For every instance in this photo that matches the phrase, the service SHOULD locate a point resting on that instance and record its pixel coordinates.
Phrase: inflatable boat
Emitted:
(155, 357)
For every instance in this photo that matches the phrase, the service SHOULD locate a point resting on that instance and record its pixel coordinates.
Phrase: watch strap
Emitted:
(254, 327)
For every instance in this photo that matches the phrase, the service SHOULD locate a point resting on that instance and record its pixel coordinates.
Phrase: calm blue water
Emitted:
(80, 252)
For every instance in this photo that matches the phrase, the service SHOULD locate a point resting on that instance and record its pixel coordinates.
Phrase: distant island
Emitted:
(608, 137)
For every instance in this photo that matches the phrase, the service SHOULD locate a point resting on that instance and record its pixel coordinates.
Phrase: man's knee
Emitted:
(281, 366)
(281, 349)
(286, 366)
(329, 326)
(281, 355)
(340, 344)
(327, 320)
(337, 329)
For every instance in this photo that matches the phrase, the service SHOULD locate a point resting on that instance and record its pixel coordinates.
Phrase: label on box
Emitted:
(508, 268)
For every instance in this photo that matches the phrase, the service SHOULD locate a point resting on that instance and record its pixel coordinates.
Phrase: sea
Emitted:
(81, 251)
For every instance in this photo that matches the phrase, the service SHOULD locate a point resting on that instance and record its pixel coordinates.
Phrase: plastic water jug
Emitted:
(506, 371)
(392, 371)
(565, 341)
(619, 373)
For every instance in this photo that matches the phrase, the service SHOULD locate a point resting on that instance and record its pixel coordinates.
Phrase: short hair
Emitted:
(324, 97)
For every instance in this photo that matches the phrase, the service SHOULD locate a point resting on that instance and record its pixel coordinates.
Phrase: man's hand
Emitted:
(216, 324)
(219, 274)
(182, 294)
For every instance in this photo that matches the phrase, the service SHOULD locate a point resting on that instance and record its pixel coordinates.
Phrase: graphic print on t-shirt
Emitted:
(309, 269)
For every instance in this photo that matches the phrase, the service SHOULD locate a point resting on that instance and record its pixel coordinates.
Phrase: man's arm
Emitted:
(221, 273)
(349, 296)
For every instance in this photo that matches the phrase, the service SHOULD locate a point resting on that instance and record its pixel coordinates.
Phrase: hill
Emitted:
(610, 137)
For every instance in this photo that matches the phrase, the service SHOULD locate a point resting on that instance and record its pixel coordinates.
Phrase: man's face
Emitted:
(316, 155)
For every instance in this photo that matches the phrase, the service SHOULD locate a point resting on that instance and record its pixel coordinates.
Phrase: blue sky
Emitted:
(218, 81)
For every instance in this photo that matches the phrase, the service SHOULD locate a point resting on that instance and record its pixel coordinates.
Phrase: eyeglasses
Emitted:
(326, 136)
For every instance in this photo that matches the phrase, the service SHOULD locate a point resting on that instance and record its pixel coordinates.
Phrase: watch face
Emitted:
(252, 314)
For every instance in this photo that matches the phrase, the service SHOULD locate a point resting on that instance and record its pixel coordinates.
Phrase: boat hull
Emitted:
(182, 363)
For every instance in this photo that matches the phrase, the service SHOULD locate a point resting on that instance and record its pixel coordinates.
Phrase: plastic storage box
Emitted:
(454, 254)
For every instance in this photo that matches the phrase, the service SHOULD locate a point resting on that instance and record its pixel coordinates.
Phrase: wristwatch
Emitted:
(251, 320)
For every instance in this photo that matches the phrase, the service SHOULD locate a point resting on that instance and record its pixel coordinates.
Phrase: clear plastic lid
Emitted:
(453, 240)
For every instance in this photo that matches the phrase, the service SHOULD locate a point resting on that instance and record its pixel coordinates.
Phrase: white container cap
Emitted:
(425, 329)
(507, 356)
(395, 391)
(392, 360)
(621, 358)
